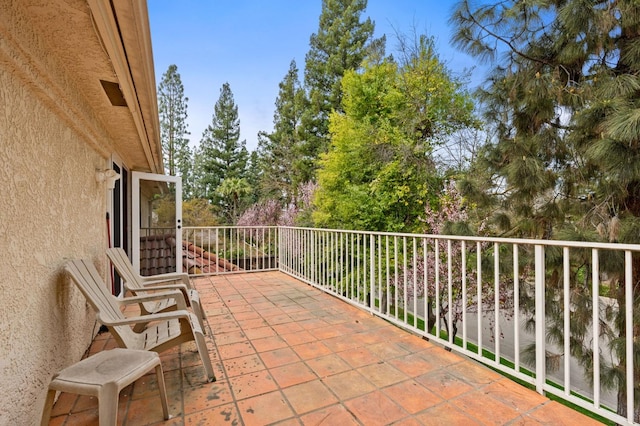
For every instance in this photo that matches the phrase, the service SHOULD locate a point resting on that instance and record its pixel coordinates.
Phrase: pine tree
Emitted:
(566, 160)
(224, 156)
(341, 43)
(279, 149)
(172, 108)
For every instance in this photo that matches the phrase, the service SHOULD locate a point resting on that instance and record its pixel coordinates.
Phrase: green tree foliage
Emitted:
(341, 43)
(234, 197)
(378, 173)
(198, 212)
(279, 150)
(253, 175)
(223, 155)
(566, 160)
(172, 108)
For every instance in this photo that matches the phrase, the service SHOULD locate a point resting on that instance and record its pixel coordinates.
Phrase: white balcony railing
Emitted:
(528, 308)
(230, 249)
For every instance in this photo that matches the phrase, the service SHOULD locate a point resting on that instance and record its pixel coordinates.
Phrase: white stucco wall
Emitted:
(51, 209)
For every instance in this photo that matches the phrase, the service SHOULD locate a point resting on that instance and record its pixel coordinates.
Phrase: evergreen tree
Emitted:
(566, 160)
(172, 108)
(200, 187)
(224, 156)
(253, 175)
(279, 149)
(340, 44)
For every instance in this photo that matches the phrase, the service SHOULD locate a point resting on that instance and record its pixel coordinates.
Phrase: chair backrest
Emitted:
(94, 289)
(121, 262)
(91, 284)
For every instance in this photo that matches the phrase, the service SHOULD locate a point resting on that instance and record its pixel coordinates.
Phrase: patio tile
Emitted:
(279, 319)
(473, 373)
(359, 357)
(485, 410)
(292, 374)
(235, 336)
(311, 350)
(387, 350)
(85, 402)
(412, 365)
(412, 396)
(382, 374)
(279, 357)
(376, 409)
(442, 357)
(333, 415)
(83, 418)
(246, 315)
(252, 324)
(145, 411)
(309, 358)
(349, 384)
(309, 396)
(298, 338)
(236, 350)
(327, 332)
(328, 365)
(195, 375)
(289, 327)
(444, 384)
(269, 343)
(65, 404)
(206, 397)
(252, 384)
(341, 343)
(514, 395)
(243, 365)
(225, 414)
(265, 409)
(445, 414)
(555, 413)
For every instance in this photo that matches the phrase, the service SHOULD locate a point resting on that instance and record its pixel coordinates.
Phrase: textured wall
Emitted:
(51, 209)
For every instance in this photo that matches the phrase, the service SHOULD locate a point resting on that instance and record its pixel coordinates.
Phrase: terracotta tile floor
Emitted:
(284, 353)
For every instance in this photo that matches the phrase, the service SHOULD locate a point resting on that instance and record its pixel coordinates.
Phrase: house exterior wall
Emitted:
(52, 209)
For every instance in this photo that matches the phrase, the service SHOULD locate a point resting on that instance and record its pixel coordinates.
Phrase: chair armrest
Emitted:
(169, 277)
(159, 286)
(154, 296)
(147, 318)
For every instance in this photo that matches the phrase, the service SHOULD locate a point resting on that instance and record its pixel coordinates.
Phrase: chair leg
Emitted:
(48, 404)
(204, 355)
(194, 302)
(197, 309)
(108, 406)
(163, 391)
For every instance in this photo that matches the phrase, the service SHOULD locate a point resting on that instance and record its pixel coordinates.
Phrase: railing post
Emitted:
(540, 319)
(372, 274)
(277, 248)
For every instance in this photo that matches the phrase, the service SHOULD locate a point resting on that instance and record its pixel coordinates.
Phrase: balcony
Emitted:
(334, 331)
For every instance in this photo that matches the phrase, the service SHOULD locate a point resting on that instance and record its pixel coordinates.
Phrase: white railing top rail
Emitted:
(521, 241)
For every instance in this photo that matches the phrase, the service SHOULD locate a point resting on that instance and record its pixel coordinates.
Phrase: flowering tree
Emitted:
(441, 221)
(270, 212)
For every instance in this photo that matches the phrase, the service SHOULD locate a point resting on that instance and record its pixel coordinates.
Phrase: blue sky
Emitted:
(250, 43)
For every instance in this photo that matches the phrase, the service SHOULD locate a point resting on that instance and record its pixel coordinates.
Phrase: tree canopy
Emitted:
(224, 156)
(172, 109)
(563, 99)
(341, 43)
(378, 173)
